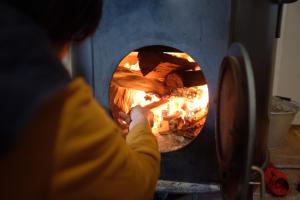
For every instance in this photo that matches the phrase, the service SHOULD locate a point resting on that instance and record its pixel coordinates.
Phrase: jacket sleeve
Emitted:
(93, 161)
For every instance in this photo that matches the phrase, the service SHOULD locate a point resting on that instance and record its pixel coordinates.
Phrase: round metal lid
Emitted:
(235, 122)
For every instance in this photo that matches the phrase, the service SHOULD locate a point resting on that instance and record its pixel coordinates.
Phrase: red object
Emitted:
(276, 181)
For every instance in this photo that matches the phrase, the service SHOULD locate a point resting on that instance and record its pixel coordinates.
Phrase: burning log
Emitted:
(157, 103)
(164, 128)
(192, 78)
(176, 115)
(126, 117)
(180, 79)
(149, 60)
(174, 81)
(187, 129)
(162, 79)
(141, 83)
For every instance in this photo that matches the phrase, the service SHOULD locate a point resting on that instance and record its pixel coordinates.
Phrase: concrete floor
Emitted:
(287, 157)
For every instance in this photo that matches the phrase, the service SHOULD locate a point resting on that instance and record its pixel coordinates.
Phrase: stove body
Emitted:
(202, 28)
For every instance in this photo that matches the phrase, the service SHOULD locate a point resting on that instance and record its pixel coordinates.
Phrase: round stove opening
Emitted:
(169, 83)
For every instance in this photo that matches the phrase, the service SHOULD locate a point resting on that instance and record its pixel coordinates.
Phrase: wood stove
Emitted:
(227, 43)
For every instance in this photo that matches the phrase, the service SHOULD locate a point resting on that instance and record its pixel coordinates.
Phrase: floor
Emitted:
(287, 158)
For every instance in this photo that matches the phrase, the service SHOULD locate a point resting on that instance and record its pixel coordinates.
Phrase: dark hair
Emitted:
(64, 20)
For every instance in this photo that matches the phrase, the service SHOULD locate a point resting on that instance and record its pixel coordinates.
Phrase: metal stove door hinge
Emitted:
(262, 184)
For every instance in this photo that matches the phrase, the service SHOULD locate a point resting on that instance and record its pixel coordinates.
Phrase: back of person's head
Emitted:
(63, 20)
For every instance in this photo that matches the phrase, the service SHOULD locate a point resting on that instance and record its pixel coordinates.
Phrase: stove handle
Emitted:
(262, 181)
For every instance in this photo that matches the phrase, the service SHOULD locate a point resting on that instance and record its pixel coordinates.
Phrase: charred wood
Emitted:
(149, 60)
(181, 79)
(192, 78)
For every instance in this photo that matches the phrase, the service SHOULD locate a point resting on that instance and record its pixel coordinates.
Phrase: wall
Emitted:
(287, 61)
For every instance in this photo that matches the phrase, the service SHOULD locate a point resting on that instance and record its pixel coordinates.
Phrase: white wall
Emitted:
(287, 60)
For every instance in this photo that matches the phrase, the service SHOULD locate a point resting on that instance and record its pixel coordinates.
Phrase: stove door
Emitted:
(235, 122)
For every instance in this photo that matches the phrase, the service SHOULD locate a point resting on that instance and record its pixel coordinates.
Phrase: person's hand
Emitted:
(138, 115)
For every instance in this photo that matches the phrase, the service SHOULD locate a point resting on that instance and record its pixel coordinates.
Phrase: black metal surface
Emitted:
(236, 122)
(199, 28)
(254, 25)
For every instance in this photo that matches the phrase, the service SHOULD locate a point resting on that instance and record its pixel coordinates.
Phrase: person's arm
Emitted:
(93, 161)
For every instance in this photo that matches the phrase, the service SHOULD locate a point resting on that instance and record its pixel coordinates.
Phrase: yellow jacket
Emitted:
(71, 149)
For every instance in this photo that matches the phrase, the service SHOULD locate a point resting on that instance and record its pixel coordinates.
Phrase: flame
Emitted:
(181, 55)
(186, 107)
(188, 104)
(133, 67)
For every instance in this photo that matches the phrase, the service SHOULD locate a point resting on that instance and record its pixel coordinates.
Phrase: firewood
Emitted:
(164, 128)
(180, 123)
(192, 78)
(174, 116)
(191, 127)
(174, 81)
(181, 79)
(141, 83)
(124, 119)
(190, 133)
(148, 60)
(157, 103)
(123, 72)
(161, 71)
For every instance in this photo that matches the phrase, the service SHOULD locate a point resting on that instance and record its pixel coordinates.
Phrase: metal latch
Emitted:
(262, 184)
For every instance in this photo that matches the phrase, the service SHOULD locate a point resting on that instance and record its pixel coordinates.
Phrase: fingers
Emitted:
(125, 117)
(139, 114)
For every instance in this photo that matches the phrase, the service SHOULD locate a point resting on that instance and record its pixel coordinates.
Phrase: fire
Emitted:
(184, 106)
(181, 55)
(134, 67)
(190, 104)
(179, 115)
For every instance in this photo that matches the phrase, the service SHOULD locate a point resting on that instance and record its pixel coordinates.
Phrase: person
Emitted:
(56, 141)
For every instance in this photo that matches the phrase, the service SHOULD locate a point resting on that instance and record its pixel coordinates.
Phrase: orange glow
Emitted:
(134, 67)
(190, 105)
(181, 55)
(178, 120)
(186, 107)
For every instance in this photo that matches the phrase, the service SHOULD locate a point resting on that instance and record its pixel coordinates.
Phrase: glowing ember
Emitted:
(134, 67)
(181, 55)
(189, 104)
